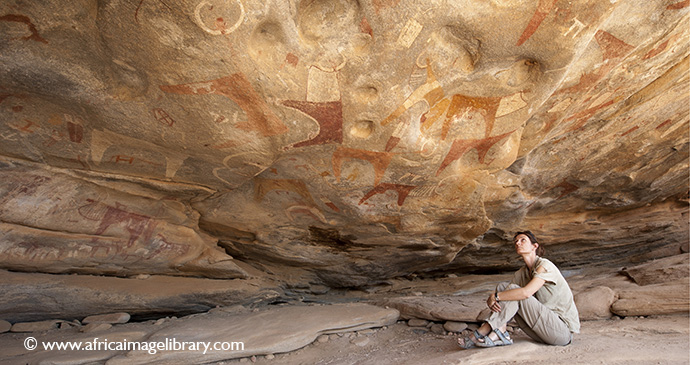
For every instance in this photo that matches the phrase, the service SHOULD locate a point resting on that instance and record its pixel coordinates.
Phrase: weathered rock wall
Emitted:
(353, 140)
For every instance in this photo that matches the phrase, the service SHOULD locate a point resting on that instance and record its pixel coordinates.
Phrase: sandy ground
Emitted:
(631, 340)
(651, 340)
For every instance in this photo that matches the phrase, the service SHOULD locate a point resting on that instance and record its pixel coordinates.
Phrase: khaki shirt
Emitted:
(555, 294)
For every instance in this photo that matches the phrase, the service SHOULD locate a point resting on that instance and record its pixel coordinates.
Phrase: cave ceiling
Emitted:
(352, 141)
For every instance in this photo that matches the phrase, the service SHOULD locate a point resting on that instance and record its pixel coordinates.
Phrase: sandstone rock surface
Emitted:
(354, 141)
(96, 327)
(595, 303)
(110, 318)
(416, 322)
(5, 326)
(438, 308)
(656, 299)
(452, 326)
(661, 270)
(33, 297)
(38, 326)
(266, 332)
(162, 158)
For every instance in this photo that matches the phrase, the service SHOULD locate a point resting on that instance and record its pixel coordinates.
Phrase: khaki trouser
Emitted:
(538, 321)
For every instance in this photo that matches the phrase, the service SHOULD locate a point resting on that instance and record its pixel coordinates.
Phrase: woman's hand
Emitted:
(493, 304)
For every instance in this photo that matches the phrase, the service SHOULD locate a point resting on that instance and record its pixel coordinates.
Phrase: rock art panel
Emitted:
(422, 134)
(77, 226)
(460, 147)
(402, 190)
(544, 7)
(328, 116)
(379, 160)
(221, 26)
(236, 87)
(23, 19)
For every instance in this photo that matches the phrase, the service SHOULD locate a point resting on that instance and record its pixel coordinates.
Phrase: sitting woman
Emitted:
(538, 297)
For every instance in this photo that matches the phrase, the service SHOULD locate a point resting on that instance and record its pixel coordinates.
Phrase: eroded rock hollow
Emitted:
(339, 143)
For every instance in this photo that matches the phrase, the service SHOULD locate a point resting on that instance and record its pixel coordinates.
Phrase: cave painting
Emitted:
(664, 124)
(338, 29)
(329, 117)
(25, 185)
(137, 225)
(163, 246)
(75, 128)
(657, 50)
(245, 164)
(55, 136)
(163, 117)
(27, 127)
(220, 27)
(102, 140)
(396, 136)
(583, 116)
(24, 19)
(323, 104)
(630, 131)
(402, 190)
(565, 188)
(679, 5)
(330, 204)
(409, 33)
(543, 9)
(487, 106)
(462, 146)
(454, 108)
(379, 160)
(129, 160)
(307, 206)
(291, 59)
(576, 28)
(309, 211)
(431, 92)
(612, 49)
(365, 27)
(31, 251)
(236, 87)
(263, 186)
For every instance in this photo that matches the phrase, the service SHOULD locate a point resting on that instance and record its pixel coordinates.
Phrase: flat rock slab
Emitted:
(34, 297)
(35, 326)
(272, 331)
(438, 308)
(669, 298)
(660, 271)
(111, 318)
(96, 327)
(15, 352)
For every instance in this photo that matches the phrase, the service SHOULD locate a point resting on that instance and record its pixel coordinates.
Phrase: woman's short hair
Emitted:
(533, 239)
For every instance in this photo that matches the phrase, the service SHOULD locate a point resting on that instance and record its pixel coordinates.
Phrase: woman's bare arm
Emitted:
(518, 293)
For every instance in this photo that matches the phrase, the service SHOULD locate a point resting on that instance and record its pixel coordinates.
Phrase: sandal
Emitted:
(503, 340)
(468, 342)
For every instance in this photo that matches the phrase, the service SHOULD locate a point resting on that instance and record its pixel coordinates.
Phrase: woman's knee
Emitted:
(506, 286)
